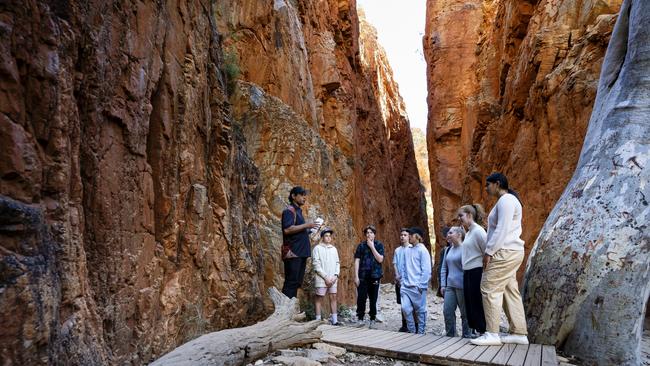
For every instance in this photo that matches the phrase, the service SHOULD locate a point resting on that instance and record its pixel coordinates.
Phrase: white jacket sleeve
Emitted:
(318, 263)
(481, 238)
(337, 271)
(505, 215)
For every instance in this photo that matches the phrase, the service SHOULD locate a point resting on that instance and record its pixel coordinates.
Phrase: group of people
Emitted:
(477, 273)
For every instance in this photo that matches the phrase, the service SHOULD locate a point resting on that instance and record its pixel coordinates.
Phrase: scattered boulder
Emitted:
(331, 349)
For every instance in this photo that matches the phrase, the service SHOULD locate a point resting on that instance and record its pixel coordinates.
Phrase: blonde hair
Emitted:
(476, 210)
(460, 230)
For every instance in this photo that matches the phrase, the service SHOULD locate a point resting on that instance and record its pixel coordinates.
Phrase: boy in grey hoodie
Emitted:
(415, 281)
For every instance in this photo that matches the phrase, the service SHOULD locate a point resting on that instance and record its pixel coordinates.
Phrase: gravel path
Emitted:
(389, 314)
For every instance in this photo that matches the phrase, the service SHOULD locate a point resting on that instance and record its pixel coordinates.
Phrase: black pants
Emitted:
(368, 287)
(398, 293)
(474, 299)
(294, 273)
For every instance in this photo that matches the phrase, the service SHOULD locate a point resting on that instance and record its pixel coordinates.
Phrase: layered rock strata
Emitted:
(511, 88)
(141, 184)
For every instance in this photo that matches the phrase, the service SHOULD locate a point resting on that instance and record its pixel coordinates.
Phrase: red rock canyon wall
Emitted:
(141, 183)
(511, 88)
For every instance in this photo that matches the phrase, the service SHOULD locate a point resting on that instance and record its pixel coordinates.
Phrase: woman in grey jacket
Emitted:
(452, 283)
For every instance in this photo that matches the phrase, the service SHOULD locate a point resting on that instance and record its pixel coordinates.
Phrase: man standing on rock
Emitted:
(415, 281)
(295, 242)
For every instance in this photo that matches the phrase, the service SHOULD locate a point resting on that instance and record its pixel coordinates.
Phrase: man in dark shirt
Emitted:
(295, 234)
(368, 258)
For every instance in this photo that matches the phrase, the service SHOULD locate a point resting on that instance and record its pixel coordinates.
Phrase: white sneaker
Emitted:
(371, 324)
(514, 338)
(487, 339)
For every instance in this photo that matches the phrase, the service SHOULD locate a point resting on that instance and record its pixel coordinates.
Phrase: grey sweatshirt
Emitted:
(474, 247)
(418, 266)
(451, 274)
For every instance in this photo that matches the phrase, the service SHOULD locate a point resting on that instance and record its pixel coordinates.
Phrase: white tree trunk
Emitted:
(242, 345)
(587, 281)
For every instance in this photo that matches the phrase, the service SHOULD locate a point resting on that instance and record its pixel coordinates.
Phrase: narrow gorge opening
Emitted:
(399, 28)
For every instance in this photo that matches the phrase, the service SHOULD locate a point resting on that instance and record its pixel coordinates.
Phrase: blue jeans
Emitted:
(414, 300)
(454, 298)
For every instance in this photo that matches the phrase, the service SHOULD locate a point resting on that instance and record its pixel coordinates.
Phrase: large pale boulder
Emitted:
(588, 279)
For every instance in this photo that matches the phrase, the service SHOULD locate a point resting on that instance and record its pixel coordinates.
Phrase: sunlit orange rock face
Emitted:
(511, 88)
(327, 115)
(147, 152)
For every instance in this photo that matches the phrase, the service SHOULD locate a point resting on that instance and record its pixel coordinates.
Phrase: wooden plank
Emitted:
(451, 349)
(549, 358)
(400, 344)
(534, 356)
(400, 337)
(440, 340)
(518, 356)
(501, 358)
(487, 355)
(335, 330)
(351, 336)
(382, 350)
(379, 339)
(448, 342)
(423, 342)
(330, 330)
(340, 334)
(468, 352)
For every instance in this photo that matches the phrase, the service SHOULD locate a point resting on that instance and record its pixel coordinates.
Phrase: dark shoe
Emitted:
(403, 330)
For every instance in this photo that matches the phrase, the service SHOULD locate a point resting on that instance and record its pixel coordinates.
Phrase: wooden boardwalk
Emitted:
(436, 350)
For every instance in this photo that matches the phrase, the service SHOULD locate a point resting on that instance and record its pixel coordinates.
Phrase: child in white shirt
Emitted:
(325, 259)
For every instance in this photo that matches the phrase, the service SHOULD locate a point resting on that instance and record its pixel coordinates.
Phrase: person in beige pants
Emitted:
(503, 255)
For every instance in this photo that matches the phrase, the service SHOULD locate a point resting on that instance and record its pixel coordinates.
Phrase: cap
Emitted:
(298, 190)
(326, 230)
(416, 230)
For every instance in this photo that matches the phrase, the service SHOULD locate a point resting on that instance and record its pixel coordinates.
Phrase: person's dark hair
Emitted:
(371, 228)
(477, 212)
(502, 181)
(417, 231)
(295, 191)
(445, 231)
(404, 229)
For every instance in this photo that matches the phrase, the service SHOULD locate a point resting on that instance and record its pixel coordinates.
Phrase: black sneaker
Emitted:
(403, 330)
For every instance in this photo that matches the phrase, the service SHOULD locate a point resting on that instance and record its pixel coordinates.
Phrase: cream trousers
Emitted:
(500, 290)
